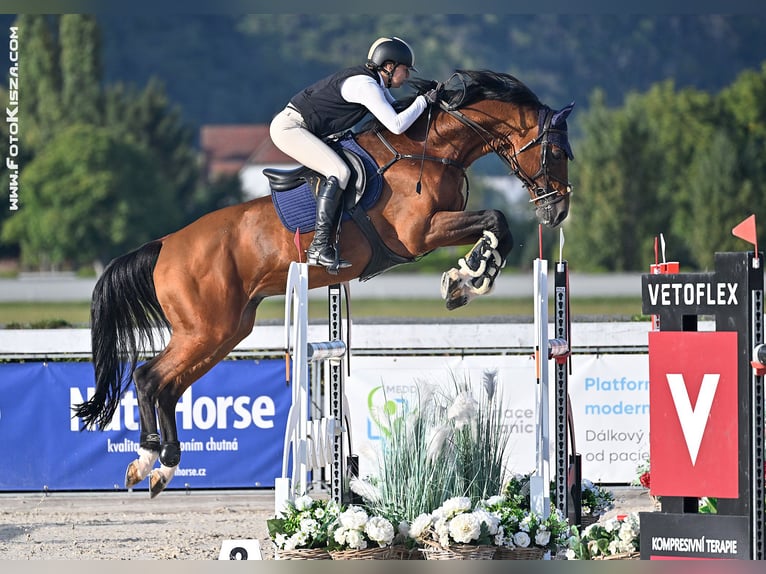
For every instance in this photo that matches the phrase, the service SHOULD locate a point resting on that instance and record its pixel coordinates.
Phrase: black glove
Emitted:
(432, 96)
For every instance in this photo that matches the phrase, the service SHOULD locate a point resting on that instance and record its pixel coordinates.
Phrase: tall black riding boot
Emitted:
(321, 252)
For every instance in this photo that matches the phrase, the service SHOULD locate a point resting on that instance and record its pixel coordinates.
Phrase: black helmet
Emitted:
(391, 49)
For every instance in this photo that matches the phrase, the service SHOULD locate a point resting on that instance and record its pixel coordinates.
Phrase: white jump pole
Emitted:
(310, 444)
(539, 483)
(545, 349)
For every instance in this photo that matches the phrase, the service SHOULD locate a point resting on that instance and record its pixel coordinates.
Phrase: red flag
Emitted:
(746, 230)
(297, 241)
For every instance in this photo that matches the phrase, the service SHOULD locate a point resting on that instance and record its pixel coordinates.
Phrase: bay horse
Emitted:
(204, 282)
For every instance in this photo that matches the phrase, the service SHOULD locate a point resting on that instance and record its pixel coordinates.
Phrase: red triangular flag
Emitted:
(746, 231)
(297, 241)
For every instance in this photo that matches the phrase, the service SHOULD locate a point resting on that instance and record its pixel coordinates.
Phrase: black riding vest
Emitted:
(324, 109)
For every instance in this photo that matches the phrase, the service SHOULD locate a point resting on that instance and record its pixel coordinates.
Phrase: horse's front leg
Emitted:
(477, 271)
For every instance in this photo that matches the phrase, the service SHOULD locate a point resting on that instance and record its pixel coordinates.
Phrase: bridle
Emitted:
(543, 196)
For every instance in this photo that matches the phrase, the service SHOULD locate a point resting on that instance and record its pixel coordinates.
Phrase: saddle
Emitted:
(294, 192)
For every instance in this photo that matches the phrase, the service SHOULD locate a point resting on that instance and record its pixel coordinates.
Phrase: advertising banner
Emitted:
(231, 425)
(609, 396)
(610, 407)
(231, 422)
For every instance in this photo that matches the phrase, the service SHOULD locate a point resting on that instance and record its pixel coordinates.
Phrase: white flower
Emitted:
(301, 538)
(493, 500)
(524, 525)
(309, 526)
(280, 540)
(354, 517)
(626, 533)
(355, 540)
(453, 506)
(542, 538)
(303, 503)
(465, 527)
(351, 538)
(380, 530)
(463, 410)
(570, 554)
(489, 519)
(521, 539)
(419, 525)
(611, 525)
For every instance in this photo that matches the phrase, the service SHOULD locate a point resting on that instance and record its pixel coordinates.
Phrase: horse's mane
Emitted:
(465, 87)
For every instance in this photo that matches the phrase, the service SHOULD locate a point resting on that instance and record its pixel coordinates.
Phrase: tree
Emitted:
(41, 78)
(150, 120)
(81, 73)
(89, 195)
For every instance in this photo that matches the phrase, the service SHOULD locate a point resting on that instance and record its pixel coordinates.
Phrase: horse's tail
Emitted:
(123, 313)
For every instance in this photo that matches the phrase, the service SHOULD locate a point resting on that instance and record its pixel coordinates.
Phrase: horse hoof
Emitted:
(450, 283)
(456, 302)
(157, 483)
(132, 475)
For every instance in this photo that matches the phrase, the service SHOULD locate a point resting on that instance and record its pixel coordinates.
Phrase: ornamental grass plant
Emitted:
(444, 444)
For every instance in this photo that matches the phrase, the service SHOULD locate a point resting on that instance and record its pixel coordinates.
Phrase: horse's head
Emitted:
(500, 110)
(543, 166)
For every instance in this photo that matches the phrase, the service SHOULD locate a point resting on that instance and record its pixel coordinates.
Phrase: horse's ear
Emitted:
(561, 115)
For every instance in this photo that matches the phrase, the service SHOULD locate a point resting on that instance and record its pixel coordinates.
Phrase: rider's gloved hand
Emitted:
(431, 96)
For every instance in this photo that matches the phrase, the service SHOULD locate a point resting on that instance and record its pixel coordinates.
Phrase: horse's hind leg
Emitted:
(189, 362)
(149, 447)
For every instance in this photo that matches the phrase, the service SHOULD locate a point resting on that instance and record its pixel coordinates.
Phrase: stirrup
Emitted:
(319, 257)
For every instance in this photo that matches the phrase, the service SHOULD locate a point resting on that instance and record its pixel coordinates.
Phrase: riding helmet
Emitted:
(391, 49)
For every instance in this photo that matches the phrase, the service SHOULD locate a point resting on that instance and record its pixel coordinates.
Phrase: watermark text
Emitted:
(12, 119)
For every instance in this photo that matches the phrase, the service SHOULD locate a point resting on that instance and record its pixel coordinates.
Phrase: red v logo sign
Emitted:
(694, 382)
(693, 420)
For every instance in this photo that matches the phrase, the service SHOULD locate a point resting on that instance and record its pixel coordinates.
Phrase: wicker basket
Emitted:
(458, 552)
(621, 556)
(372, 553)
(516, 553)
(302, 554)
(399, 552)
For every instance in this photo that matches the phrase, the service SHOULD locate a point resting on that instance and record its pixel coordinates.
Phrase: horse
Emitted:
(202, 284)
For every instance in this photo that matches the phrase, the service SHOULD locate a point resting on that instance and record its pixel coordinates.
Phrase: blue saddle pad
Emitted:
(297, 207)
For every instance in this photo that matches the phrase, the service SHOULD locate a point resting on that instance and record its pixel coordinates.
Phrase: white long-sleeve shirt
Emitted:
(378, 99)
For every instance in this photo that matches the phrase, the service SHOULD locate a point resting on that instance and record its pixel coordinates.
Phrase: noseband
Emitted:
(544, 196)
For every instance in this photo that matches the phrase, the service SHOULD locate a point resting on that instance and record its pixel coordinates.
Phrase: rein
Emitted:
(418, 157)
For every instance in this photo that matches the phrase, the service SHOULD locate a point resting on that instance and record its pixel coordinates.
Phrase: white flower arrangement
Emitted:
(519, 527)
(303, 523)
(355, 530)
(613, 536)
(455, 522)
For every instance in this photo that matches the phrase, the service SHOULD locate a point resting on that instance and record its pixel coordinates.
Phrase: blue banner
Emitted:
(231, 425)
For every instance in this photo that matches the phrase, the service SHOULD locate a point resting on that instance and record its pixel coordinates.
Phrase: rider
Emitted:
(332, 105)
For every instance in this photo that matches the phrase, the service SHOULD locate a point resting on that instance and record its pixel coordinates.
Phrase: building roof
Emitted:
(227, 149)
